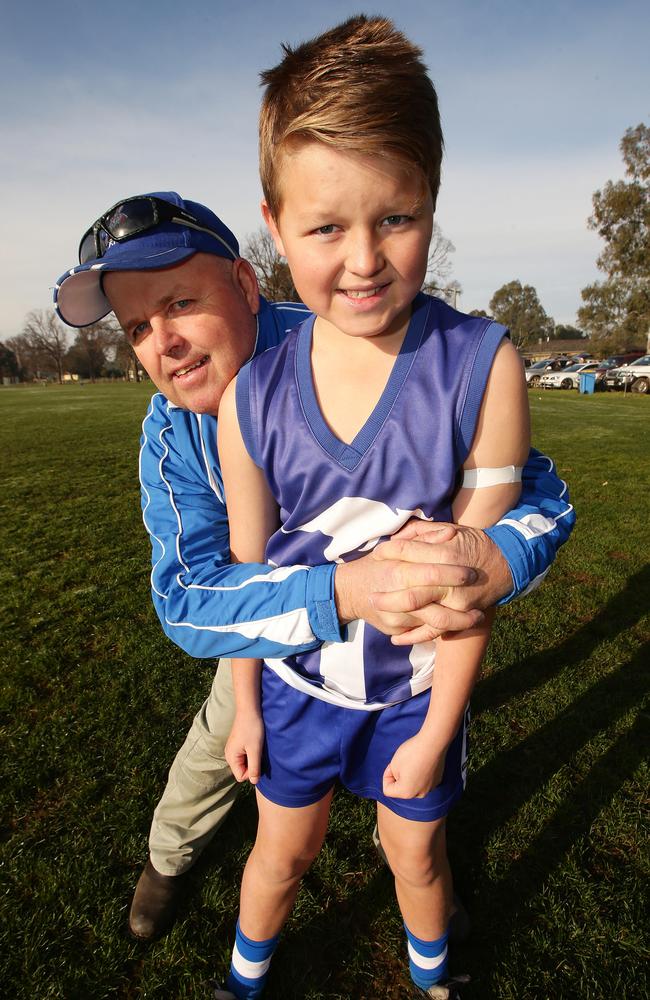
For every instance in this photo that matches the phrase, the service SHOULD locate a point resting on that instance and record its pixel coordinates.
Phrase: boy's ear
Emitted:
(272, 227)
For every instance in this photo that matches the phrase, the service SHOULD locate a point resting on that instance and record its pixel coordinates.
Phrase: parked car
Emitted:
(635, 376)
(601, 372)
(609, 364)
(568, 378)
(536, 370)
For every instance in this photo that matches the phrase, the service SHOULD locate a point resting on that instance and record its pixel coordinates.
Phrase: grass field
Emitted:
(549, 846)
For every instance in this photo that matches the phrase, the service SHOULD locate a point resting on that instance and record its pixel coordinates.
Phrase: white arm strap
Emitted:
(476, 478)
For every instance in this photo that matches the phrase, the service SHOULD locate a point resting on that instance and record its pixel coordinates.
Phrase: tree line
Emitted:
(615, 314)
(46, 349)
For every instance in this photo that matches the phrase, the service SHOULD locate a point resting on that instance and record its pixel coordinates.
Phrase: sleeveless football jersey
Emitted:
(337, 500)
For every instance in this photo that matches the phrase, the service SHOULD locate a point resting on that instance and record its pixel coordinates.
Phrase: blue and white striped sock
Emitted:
(249, 965)
(427, 960)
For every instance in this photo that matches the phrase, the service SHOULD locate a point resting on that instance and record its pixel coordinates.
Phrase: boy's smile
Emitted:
(356, 232)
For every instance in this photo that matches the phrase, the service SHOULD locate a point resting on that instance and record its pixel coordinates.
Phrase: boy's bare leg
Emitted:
(417, 855)
(287, 842)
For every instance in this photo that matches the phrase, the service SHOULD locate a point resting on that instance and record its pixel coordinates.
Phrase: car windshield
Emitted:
(571, 368)
(540, 364)
(642, 361)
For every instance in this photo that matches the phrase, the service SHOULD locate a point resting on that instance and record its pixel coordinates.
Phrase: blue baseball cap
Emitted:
(79, 297)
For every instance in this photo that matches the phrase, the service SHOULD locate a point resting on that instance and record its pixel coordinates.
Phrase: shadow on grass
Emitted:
(500, 910)
(526, 767)
(620, 614)
(513, 777)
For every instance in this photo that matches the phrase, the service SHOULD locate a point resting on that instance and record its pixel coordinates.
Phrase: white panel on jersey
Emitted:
(341, 664)
(290, 629)
(422, 657)
(355, 524)
(277, 575)
(531, 525)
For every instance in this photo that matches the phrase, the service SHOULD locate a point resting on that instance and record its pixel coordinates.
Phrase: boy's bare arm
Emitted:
(252, 518)
(501, 439)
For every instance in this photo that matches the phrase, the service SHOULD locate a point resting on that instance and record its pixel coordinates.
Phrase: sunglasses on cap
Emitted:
(132, 216)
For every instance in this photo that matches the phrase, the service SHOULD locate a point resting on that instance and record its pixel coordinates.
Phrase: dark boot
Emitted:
(155, 902)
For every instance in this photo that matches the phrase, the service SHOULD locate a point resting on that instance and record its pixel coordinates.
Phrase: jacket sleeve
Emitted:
(530, 535)
(206, 605)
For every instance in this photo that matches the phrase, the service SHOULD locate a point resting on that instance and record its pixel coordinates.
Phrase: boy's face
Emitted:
(356, 232)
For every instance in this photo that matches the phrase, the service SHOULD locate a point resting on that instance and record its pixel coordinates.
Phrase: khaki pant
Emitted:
(201, 788)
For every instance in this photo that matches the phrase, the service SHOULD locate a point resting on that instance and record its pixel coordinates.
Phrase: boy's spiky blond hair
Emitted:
(361, 87)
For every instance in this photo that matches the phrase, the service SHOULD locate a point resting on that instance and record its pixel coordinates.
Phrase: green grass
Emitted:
(548, 846)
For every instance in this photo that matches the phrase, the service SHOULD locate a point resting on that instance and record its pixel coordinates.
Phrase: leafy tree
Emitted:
(272, 270)
(518, 307)
(616, 312)
(45, 340)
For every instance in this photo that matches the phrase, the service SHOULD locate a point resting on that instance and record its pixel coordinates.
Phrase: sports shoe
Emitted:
(445, 991)
(155, 902)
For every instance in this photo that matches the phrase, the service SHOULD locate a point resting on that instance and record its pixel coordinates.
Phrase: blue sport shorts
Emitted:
(310, 744)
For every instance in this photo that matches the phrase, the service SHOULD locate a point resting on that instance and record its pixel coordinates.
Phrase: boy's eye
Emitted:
(396, 220)
(181, 303)
(326, 230)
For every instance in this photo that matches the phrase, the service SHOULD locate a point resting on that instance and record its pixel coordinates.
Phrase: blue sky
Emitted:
(102, 100)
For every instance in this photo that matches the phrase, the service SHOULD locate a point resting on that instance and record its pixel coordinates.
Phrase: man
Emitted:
(190, 307)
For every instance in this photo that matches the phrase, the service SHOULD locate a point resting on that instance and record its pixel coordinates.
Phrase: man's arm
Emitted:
(511, 558)
(206, 605)
(531, 534)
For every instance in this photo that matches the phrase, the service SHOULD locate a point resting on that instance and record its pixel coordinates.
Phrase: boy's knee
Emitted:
(417, 863)
(417, 871)
(284, 866)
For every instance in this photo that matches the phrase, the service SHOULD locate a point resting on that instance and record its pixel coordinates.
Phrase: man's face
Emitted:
(192, 326)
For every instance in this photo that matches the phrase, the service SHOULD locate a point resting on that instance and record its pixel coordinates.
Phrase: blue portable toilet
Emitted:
(587, 382)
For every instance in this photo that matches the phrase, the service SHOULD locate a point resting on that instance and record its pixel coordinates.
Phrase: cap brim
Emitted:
(78, 295)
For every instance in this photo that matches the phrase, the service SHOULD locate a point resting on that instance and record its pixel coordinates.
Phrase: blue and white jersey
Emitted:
(211, 608)
(337, 500)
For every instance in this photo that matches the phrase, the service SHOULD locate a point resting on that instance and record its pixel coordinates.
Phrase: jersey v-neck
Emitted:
(349, 455)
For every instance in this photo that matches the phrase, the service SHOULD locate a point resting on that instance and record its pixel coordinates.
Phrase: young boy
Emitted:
(362, 420)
